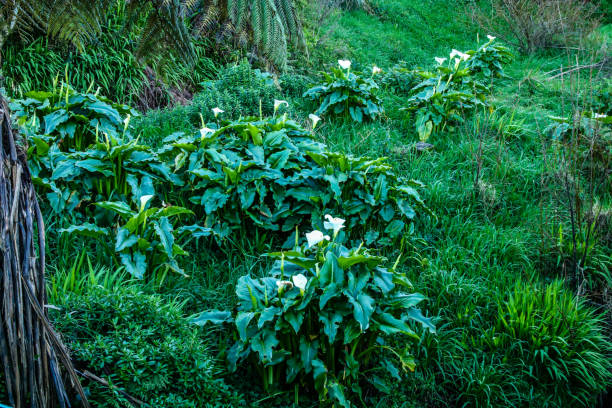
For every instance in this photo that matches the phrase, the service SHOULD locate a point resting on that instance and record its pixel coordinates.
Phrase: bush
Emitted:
(456, 87)
(272, 174)
(140, 344)
(239, 91)
(319, 320)
(346, 93)
(537, 24)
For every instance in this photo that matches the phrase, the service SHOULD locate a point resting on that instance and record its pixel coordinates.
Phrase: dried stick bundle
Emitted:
(34, 359)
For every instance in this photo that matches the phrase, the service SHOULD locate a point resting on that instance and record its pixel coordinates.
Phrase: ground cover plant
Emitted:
(231, 210)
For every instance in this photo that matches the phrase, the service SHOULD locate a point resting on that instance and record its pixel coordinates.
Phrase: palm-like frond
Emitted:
(269, 25)
(78, 21)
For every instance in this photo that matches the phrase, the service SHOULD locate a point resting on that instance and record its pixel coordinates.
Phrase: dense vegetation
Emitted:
(348, 203)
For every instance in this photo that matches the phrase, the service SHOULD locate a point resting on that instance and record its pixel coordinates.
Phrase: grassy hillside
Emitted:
(516, 325)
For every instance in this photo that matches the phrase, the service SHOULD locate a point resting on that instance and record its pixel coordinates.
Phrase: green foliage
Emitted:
(400, 78)
(239, 91)
(344, 92)
(489, 59)
(270, 25)
(320, 318)
(145, 242)
(557, 340)
(141, 345)
(270, 173)
(443, 96)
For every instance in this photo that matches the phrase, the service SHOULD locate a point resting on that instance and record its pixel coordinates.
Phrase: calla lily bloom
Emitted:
(283, 284)
(315, 119)
(344, 64)
(376, 70)
(205, 131)
(459, 54)
(333, 223)
(278, 104)
(144, 200)
(491, 38)
(439, 60)
(300, 282)
(315, 237)
(217, 111)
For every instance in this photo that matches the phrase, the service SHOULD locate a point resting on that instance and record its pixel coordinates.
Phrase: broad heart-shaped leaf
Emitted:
(53, 119)
(294, 367)
(242, 322)
(331, 321)
(119, 207)
(319, 374)
(211, 316)
(267, 315)
(308, 352)
(135, 264)
(163, 229)
(416, 315)
(125, 240)
(213, 199)
(406, 209)
(404, 300)
(330, 270)
(263, 344)
(140, 187)
(371, 261)
(363, 307)
(86, 229)
(336, 392)
(388, 324)
(384, 280)
(295, 319)
(394, 228)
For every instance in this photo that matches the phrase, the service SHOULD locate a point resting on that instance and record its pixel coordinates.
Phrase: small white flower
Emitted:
(315, 237)
(376, 70)
(205, 131)
(490, 37)
(439, 60)
(333, 223)
(599, 116)
(144, 200)
(283, 284)
(461, 55)
(300, 282)
(126, 122)
(315, 119)
(344, 64)
(217, 111)
(278, 104)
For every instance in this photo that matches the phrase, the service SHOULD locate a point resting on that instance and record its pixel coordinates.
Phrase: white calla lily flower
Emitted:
(217, 111)
(333, 223)
(315, 119)
(376, 70)
(144, 200)
(439, 60)
(283, 284)
(205, 131)
(491, 38)
(344, 64)
(300, 282)
(461, 55)
(278, 104)
(315, 237)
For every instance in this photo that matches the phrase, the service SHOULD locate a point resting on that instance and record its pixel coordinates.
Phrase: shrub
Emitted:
(142, 345)
(344, 92)
(443, 96)
(319, 320)
(239, 91)
(271, 174)
(536, 24)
